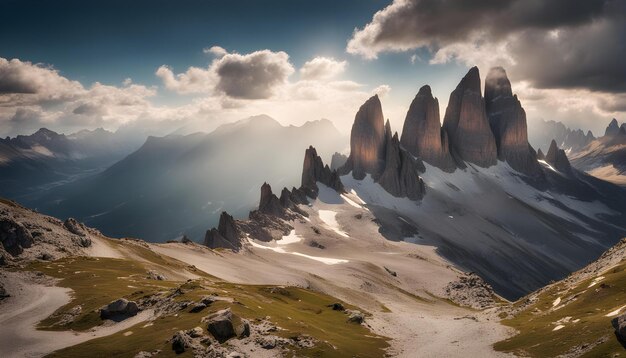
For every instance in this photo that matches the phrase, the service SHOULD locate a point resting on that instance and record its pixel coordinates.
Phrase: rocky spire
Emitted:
(422, 135)
(227, 234)
(269, 203)
(367, 141)
(612, 128)
(337, 161)
(314, 171)
(467, 125)
(400, 177)
(540, 155)
(507, 119)
(558, 159)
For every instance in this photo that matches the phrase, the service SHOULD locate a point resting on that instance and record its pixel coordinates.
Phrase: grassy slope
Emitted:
(98, 281)
(590, 305)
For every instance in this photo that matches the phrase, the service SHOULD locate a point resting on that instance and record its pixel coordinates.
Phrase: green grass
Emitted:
(536, 323)
(98, 281)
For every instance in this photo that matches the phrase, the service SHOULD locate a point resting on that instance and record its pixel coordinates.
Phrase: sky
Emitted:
(193, 65)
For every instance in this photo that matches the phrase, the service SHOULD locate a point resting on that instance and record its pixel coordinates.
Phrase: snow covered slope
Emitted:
(516, 234)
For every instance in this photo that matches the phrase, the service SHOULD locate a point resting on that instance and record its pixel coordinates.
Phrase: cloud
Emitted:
(322, 69)
(194, 80)
(553, 44)
(256, 75)
(252, 76)
(35, 95)
(216, 51)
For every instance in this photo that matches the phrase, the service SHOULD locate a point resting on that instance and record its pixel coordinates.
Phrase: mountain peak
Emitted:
(425, 91)
(612, 128)
(497, 84)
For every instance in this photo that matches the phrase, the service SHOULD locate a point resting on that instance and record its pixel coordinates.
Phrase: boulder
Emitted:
(422, 135)
(466, 123)
(507, 119)
(3, 292)
(337, 306)
(180, 342)
(367, 141)
(195, 332)
(119, 309)
(75, 227)
(186, 240)
(620, 327)
(224, 325)
(197, 307)
(355, 316)
(14, 236)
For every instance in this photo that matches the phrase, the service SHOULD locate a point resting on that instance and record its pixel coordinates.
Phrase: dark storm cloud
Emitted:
(553, 43)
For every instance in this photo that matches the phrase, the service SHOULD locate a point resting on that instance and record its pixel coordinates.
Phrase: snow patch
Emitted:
(556, 302)
(615, 313)
(293, 238)
(329, 217)
(558, 327)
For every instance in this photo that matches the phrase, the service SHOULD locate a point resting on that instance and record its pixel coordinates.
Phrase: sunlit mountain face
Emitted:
(364, 178)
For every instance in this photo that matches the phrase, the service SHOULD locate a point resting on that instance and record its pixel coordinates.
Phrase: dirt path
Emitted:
(28, 305)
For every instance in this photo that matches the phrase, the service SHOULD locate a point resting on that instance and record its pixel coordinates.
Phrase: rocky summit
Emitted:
(422, 135)
(507, 119)
(314, 171)
(400, 177)
(558, 159)
(227, 234)
(612, 129)
(367, 140)
(466, 122)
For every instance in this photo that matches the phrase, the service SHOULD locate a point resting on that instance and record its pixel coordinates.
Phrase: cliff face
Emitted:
(314, 170)
(467, 125)
(612, 129)
(367, 140)
(422, 135)
(507, 119)
(226, 235)
(400, 177)
(558, 159)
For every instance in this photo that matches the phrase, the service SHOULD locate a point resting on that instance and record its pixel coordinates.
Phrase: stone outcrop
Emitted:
(224, 325)
(507, 119)
(227, 235)
(269, 203)
(337, 161)
(367, 141)
(466, 123)
(119, 309)
(558, 159)
(14, 236)
(612, 129)
(400, 177)
(314, 171)
(540, 155)
(422, 135)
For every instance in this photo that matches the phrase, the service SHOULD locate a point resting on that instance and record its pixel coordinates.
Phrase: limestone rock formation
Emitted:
(269, 203)
(314, 170)
(227, 235)
(612, 129)
(400, 177)
(467, 125)
(507, 119)
(558, 159)
(422, 135)
(14, 236)
(367, 141)
(337, 161)
(540, 155)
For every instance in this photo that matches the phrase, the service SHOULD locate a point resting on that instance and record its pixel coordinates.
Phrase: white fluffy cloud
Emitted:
(215, 51)
(322, 69)
(257, 75)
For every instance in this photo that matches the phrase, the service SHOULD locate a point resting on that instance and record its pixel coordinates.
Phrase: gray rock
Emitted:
(269, 203)
(469, 134)
(195, 332)
(180, 342)
(3, 292)
(314, 171)
(367, 141)
(227, 235)
(197, 307)
(75, 227)
(422, 135)
(507, 119)
(612, 129)
(355, 316)
(620, 326)
(337, 161)
(119, 309)
(14, 236)
(337, 306)
(400, 177)
(558, 159)
(224, 325)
